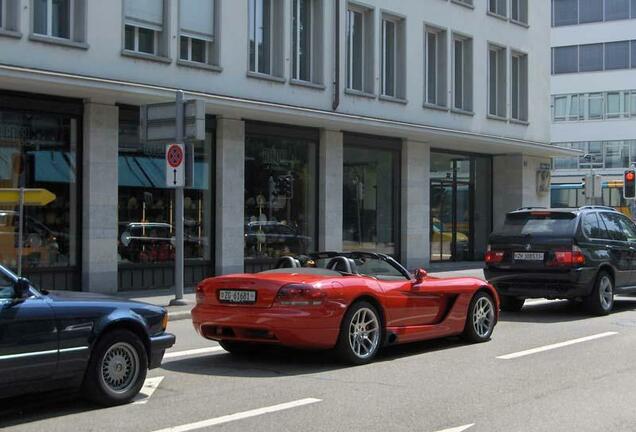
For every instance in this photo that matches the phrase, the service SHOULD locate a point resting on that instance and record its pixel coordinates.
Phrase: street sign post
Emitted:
(173, 124)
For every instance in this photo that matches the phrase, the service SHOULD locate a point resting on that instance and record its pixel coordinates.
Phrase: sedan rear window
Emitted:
(539, 223)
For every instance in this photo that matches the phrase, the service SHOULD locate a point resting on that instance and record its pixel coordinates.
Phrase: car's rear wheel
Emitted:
(117, 369)
(512, 304)
(481, 318)
(238, 348)
(601, 301)
(360, 334)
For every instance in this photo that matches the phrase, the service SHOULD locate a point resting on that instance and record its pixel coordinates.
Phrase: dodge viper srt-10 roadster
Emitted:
(353, 302)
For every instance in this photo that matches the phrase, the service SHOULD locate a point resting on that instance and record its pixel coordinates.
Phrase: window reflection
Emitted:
(369, 199)
(280, 195)
(43, 147)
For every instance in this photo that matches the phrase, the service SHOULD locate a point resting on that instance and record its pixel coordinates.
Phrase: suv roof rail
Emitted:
(598, 207)
(531, 208)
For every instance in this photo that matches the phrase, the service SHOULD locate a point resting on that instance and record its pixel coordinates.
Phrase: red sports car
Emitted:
(354, 302)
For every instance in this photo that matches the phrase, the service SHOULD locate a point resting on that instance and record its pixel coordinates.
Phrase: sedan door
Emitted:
(28, 337)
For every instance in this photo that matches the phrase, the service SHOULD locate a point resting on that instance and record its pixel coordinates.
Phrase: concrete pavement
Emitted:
(430, 386)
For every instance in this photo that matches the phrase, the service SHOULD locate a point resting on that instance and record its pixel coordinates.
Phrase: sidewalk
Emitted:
(175, 313)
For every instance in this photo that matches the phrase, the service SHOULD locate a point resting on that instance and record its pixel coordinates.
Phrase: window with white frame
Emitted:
(144, 25)
(435, 66)
(63, 19)
(197, 31)
(519, 86)
(265, 43)
(497, 81)
(519, 11)
(498, 7)
(392, 45)
(360, 49)
(462, 73)
(307, 37)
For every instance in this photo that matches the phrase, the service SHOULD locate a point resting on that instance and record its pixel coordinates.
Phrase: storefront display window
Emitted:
(280, 192)
(146, 207)
(370, 197)
(461, 206)
(39, 151)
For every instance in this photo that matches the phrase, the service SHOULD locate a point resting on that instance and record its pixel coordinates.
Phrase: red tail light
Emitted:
(493, 257)
(568, 258)
(300, 295)
(199, 293)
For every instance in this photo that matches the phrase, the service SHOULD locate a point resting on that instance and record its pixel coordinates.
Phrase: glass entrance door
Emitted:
(461, 205)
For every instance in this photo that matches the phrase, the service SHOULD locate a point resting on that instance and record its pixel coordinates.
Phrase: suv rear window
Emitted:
(538, 223)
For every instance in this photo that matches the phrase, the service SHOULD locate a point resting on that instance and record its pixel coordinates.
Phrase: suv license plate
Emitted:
(528, 256)
(237, 296)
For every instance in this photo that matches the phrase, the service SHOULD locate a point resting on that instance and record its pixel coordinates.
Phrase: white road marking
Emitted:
(240, 416)
(150, 385)
(555, 346)
(192, 352)
(458, 429)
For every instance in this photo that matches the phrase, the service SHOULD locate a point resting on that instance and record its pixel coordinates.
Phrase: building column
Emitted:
(415, 211)
(330, 191)
(515, 184)
(99, 197)
(230, 196)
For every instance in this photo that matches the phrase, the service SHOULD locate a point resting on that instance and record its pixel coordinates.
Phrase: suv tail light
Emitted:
(568, 258)
(493, 256)
(300, 295)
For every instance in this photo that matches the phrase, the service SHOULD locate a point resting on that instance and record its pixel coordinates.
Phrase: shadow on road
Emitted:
(561, 311)
(276, 362)
(42, 406)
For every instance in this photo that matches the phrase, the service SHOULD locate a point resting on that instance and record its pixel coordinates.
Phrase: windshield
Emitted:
(539, 223)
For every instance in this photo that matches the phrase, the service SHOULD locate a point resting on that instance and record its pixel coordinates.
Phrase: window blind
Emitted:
(197, 18)
(144, 13)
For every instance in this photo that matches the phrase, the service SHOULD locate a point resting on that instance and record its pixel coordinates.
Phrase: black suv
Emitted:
(584, 254)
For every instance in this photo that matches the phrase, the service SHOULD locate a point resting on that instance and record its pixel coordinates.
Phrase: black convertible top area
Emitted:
(331, 263)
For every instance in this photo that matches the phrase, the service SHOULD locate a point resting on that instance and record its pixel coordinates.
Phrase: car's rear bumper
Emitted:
(295, 327)
(158, 346)
(542, 283)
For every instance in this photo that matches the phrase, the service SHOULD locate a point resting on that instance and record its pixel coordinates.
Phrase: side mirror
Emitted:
(22, 288)
(420, 275)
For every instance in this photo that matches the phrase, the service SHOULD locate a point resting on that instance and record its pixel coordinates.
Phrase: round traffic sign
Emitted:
(174, 156)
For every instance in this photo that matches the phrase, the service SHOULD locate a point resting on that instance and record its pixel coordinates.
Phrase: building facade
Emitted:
(593, 96)
(407, 128)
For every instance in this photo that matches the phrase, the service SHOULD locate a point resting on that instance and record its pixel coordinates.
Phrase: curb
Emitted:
(178, 316)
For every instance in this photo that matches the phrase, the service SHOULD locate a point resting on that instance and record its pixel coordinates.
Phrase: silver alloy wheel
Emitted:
(606, 292)
(364, 333)
(120, 368)
(483, 316)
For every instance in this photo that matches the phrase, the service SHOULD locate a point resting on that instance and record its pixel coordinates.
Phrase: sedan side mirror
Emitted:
(22, 288)
(420, 275)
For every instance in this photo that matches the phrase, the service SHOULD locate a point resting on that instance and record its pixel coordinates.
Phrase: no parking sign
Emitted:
(175, 165)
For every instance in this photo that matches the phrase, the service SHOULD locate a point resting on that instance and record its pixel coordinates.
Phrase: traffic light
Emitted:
(629, 184)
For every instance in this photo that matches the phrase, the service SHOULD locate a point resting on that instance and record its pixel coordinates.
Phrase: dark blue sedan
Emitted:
(100, 345)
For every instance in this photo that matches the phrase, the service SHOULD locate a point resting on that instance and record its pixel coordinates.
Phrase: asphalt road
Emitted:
(586, 382)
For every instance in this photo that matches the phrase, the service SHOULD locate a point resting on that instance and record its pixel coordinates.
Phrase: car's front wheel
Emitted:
(360, 334)
(117, 369)
(481, 318)
(601, 301)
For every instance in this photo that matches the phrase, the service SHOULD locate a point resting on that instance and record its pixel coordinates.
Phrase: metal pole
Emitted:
(178, 217)
(20, 228)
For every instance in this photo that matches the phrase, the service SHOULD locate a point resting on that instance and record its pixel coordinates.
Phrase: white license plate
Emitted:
(237, 296)
(528, 256)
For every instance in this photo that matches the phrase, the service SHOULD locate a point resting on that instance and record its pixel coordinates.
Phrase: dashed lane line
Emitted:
(240, 415)
(458, 429)
(146, 392)
(555, 346)
(192, 352)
